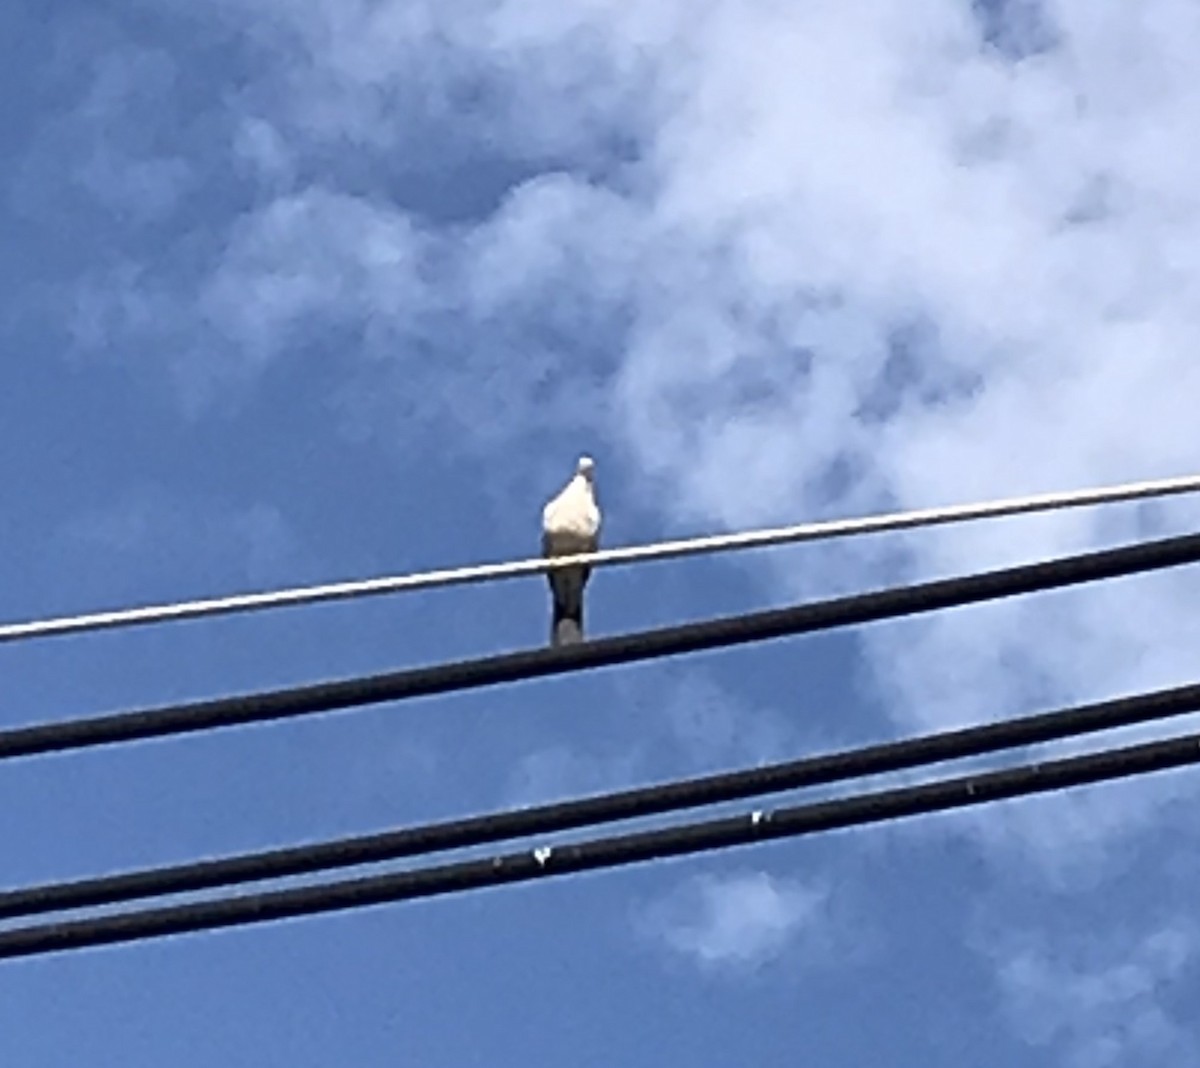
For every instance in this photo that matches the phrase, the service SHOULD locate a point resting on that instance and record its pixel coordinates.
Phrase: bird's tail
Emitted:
(567, 627)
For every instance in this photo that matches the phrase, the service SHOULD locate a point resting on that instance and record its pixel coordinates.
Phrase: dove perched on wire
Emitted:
(570, 525)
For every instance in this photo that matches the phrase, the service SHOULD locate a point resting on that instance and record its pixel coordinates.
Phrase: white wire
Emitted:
(631, 554)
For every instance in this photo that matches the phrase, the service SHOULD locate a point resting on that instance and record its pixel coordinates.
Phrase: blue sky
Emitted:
(305, 290)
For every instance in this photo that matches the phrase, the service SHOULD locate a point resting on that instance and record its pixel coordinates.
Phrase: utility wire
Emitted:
(603, 853)
(716, 633)
(639, 803)
(754, 539)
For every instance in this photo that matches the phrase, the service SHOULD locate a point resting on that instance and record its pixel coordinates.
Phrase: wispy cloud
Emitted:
(155, 541)
(781, 260)
(112, 146)
(683, 723)
(787, 260)
(714, 728)
(1106, 1001)
(561, 771)
(314, 258)
(740, 922)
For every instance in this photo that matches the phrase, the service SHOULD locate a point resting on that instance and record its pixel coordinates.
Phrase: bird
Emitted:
(570, 525)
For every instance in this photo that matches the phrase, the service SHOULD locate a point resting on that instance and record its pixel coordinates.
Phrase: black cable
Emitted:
(595, 854)
(604, 808)
(628, 648)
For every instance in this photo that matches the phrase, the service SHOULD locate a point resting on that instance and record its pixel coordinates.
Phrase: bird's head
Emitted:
(585, 467)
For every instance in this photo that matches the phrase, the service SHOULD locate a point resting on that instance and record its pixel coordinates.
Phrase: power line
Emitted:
(754, 539)
(604, 808)
(716, 633)
(596, 854)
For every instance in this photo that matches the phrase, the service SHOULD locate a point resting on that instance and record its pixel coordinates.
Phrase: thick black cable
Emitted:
(596, 854)
(628, 648)
(629, 804)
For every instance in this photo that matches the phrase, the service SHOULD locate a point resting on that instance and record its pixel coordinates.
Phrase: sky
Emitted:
(306, 290)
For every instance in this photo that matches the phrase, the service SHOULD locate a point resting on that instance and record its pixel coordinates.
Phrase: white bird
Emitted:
(570, 525)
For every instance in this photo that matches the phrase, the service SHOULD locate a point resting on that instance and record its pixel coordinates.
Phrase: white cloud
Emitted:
(740, 921)
(154, 540)
(715, 729)
(561, 771)
(849, 257)
(112, 146)
(855, 257)
(874, 167)
(547, 78)
(310, 257)
(1106, 1002)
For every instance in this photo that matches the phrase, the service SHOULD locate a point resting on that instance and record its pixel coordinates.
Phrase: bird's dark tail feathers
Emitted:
(566, 587)
(567, 627)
